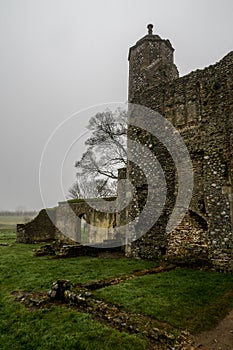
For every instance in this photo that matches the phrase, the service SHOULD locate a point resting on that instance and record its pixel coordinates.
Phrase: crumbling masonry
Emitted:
(200, 107)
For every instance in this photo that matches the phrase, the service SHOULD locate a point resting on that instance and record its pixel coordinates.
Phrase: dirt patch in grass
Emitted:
(219, 338)
(116, 280)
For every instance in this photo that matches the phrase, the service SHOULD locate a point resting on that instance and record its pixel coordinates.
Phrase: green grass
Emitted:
(7, 236)
(21, 270)
(183, 298)
(59, 327)
(190, 299)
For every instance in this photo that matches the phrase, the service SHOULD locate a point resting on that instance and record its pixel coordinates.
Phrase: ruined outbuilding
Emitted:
(200, 107)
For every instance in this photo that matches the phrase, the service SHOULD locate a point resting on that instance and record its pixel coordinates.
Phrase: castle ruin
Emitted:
(200, 107)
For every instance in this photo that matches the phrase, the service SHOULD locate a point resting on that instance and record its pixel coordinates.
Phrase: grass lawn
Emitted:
(190, 299)
(183, 298)
(58, 327)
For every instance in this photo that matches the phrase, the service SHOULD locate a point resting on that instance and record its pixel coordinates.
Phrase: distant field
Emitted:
(10, 221)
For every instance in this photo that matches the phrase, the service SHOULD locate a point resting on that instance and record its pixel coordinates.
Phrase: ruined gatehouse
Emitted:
(200, 107)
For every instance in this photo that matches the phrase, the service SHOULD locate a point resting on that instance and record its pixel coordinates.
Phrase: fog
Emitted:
(60, 57)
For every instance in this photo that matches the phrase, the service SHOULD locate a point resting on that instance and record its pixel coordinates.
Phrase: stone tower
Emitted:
(150, 66)
(150, 62)
(200, 107)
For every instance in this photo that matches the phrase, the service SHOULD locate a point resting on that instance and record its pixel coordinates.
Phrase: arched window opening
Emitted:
(84, 229)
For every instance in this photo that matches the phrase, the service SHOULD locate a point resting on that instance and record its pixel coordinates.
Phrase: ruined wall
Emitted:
(69, 223)
(96, 226)
(187, 244)
(40, 229)
(200, 106)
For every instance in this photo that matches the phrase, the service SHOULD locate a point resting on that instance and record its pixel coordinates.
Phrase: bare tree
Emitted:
(94, 189)
(105, 153)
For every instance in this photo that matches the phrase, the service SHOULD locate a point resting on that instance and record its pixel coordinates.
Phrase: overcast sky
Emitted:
(61, 56)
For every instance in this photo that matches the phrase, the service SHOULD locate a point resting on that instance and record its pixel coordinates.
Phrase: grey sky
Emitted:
(60, 56)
